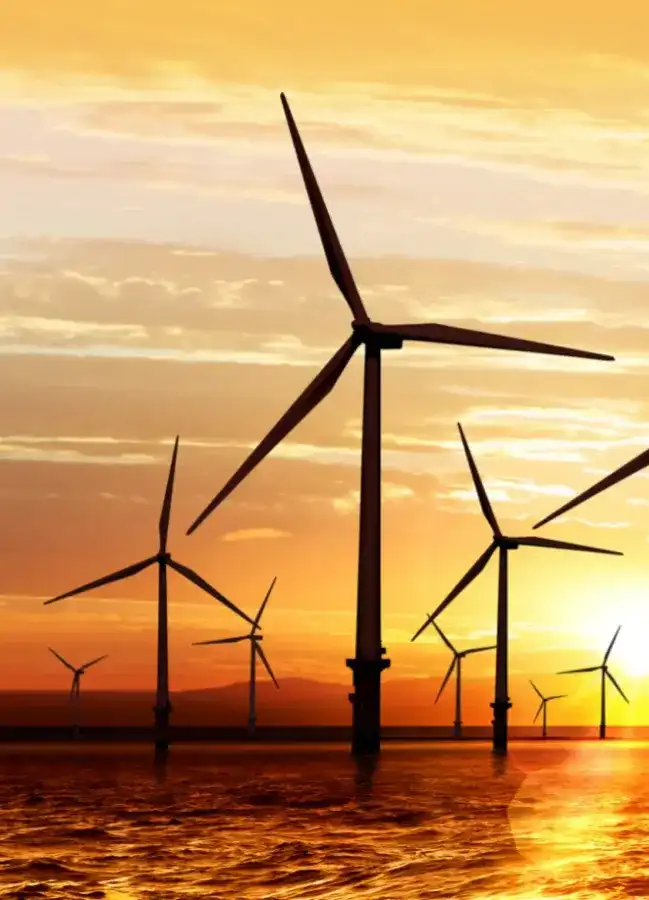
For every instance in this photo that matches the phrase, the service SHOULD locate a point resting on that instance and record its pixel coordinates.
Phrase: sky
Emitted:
(161, 274)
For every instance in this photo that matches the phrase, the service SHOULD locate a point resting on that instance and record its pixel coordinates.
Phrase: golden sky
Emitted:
(160, 273)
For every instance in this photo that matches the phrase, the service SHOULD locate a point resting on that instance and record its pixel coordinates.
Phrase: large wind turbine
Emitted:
(605, 674)
(639, 462)
(255, 651)
(164, 560)
(369, 660)
(503, 544)
(543, 708)
(76, 684)
(458, 656)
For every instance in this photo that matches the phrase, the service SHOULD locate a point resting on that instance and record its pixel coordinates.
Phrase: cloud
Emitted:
(255, 534)
(390, 492)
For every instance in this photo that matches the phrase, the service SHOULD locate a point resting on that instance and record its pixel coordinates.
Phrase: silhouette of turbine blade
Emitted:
(574, 671)
(338, 265)
(620, 691)
(263, 605)
(314, 394)
(538, 712)
(443, 637)
(446, 678)
(163, 526)
(610, 646)
(230, 640)
(200, 582)
(536, 689)
(64, 661)
(468, 337)
(107, 579)
(93, 662)
(563, 545)
(485, 505)
(262, 657)
(466, 580)
(479, 649)
(556, 697)
(635, 465)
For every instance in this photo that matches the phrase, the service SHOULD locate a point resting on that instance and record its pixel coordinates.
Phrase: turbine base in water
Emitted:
(499, 722)
(366, 704)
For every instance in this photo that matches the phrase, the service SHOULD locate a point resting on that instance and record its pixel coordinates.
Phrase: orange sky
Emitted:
(160, 273)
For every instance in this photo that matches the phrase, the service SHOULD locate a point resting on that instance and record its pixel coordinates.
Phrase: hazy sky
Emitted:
(160, 273)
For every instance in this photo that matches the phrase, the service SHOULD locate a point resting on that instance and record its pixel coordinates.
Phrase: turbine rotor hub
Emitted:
(506, 543)
(378, 340)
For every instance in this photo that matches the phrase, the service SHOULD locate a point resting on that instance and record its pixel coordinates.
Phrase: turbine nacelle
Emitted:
(506, 543)
(377, 335)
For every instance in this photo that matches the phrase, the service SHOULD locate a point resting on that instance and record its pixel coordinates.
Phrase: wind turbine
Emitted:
(369, 660)
(76, 684)
(605, 674)
(164, 560)
(543, 708)
(255, 651)
(639, 462)
(458, 656)
(502, 543)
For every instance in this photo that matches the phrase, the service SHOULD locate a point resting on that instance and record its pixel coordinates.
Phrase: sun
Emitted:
(628, 608)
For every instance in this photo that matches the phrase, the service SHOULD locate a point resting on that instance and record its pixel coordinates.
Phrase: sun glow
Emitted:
(628, 607)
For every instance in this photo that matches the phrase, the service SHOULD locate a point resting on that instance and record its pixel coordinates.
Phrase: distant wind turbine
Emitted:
(543, 708)
(76, 684)
(458, 656)
(369, 660)
(164, 560)
(605, 674)
(255, 651)
(639, 462)
(503, 544)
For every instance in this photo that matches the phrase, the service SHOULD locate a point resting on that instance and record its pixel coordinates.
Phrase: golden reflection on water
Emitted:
(552, 820)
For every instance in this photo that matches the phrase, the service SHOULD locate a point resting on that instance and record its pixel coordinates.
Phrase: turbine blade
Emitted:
(538, 712)
(610, 646)
(466, 580)
(230, 640)
(468, 337)
(485, 505)
(262, 657)
(338, 265)
(446, 678)
(93, 662)
(64, 661)
(574, 671)
(556, 697)
(200, 582)
(263, 605)
(319, 388)
(444, 638)
(163, 526)
(635, 465)
(536, 689)
(620, 691)
(479, 649)
(107, 579)
(562, 545)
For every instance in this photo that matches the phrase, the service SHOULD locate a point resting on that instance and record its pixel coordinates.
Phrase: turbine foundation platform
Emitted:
(366, 704)
(499, 723)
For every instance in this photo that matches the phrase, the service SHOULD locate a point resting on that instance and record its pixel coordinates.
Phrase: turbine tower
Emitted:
(503, 543)
(164, 561)
(458, 656)
(369, 660)
(76, 685)
(255, 651)
(605, 674)
(543, 708)
(639, 462)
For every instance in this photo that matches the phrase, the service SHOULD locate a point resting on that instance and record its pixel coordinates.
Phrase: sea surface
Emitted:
(556, 819)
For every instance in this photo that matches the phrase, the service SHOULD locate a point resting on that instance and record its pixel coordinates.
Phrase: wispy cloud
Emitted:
(255, 534)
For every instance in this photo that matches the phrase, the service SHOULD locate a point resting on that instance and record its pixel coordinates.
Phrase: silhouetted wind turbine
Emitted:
(543, 708)
(163, 559)
(639, 462)
(503, 544)
(76, 684)
(605, 674)
(458, 656)
(255, 651)
(369, 660)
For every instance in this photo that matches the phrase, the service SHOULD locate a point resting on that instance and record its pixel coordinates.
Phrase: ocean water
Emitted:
(553, 820)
